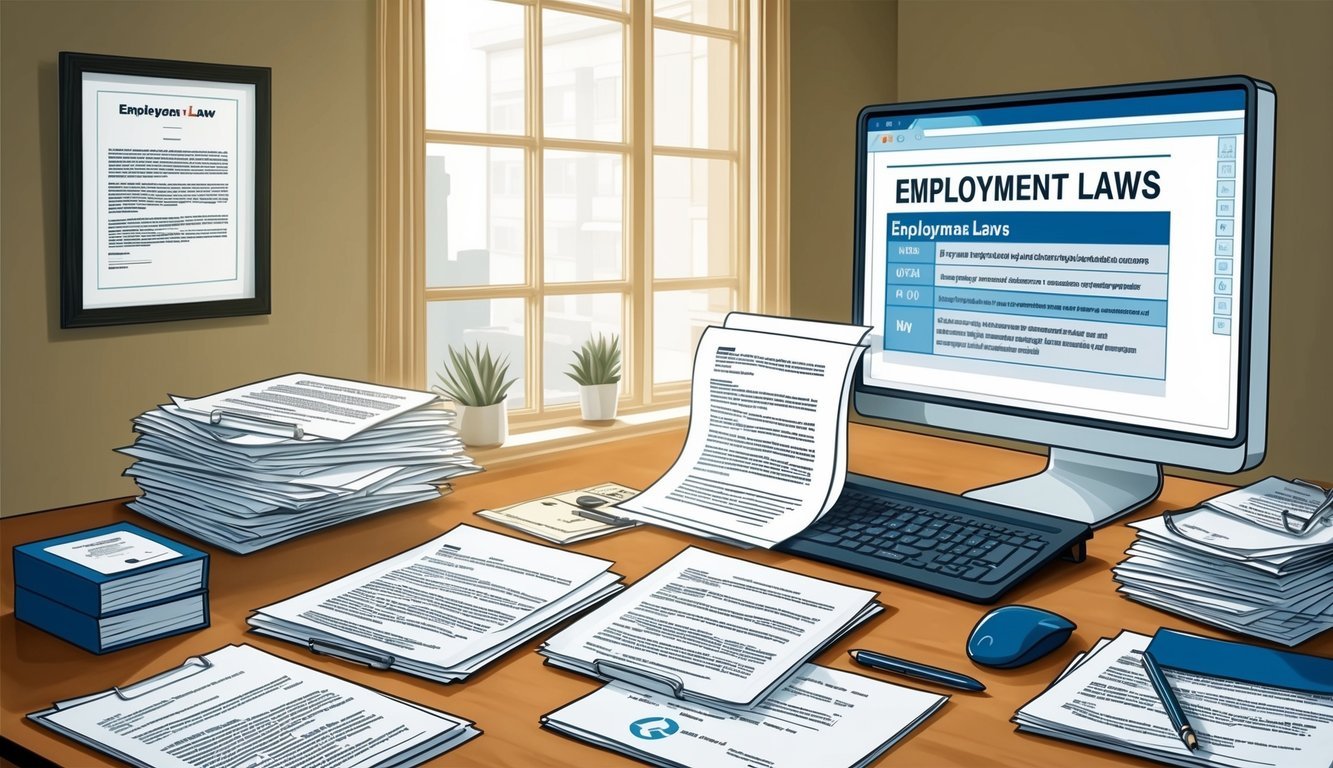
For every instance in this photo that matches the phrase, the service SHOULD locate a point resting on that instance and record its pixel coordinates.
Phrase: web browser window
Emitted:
(1077, 257)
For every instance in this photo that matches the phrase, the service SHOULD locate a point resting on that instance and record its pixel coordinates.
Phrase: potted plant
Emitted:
(477, 384)
(596, 369)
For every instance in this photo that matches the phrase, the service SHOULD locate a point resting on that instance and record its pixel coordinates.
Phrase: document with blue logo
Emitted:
(821, 716)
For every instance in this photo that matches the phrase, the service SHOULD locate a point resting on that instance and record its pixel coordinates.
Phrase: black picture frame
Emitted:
(248, 221)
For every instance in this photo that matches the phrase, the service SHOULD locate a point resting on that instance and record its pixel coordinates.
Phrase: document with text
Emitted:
(1106, 700)
(821, 716)
(303, 405)
(711, 628)
(766, 451)
(239, 706)
(444, 609)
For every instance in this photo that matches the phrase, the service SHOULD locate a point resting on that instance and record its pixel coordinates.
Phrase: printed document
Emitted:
(1264, 502)
(239, 706)
(321, 406)
(557, 519)
(711, 628)
(444, 609)
(1107, 701)
(822, 716)
(766, 451)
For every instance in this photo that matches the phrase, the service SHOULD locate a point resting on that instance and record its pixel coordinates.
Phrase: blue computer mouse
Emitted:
(1014, 635)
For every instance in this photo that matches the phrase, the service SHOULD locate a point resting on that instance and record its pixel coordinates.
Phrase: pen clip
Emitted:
(653, 681)
(244, 421)
(358, 655)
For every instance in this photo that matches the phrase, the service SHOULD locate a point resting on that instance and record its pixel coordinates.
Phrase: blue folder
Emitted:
(83, 588)
(1242, 661)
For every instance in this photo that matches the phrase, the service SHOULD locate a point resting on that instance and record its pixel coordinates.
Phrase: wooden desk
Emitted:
(507, 698)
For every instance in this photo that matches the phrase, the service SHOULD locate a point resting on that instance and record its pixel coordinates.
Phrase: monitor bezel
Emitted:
(1245, 255)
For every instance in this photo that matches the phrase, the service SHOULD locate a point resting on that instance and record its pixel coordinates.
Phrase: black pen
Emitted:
(876, 660)
(1169, 702)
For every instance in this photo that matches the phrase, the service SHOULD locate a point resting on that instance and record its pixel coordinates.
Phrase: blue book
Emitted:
(110, 569)
(113, 631)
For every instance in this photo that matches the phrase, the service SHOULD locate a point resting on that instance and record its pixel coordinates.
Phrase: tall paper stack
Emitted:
(1233, 574)
(260, 464)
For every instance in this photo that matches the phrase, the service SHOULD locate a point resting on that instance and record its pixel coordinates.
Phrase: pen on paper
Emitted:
(1169, 702)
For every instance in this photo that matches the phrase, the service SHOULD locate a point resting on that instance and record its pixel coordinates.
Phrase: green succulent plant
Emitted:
(596, 362)
(474, 377)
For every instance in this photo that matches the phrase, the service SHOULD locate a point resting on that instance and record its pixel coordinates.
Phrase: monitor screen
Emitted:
(1064, 258)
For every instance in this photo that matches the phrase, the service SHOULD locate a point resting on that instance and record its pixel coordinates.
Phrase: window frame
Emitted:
(758, 151)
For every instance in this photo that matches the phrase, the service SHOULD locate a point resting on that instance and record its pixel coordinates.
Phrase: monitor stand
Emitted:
(1087, 487)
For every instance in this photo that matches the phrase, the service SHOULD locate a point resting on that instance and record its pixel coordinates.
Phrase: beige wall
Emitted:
(67, 396)
(848, 54)
(843, 57)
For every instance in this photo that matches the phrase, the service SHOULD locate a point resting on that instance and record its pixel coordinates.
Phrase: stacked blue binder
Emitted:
(112, 587)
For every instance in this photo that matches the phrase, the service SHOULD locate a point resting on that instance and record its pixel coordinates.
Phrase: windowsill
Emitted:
(544, 441)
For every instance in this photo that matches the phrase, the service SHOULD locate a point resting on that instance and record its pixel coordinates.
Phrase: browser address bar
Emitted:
(1100, 122)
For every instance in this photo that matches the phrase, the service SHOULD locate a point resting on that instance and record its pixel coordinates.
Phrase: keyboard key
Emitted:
(825, 538)
(975, 572)
(925, 543)
(908, 540)
(913, 528)
(903, 549)
(889, 554)
(1034, 543)
(999, 553)
(867, 549)
(875, 530)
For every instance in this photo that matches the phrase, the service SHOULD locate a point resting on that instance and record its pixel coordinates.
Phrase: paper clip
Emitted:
(248, 422)
(653, 681)
(358, 655)
(1299, 527)
(132, 690)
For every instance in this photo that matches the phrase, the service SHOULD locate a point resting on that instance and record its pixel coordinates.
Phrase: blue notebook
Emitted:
(111, 632)
(1242, 661)
(110, 569)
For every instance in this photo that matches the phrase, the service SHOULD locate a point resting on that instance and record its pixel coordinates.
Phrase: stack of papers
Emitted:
(445, 609)
(711, 629)
(1216, 565)
(766, 452)
(253, 466)
(1104, 699)
(821, 716)
(239, 706)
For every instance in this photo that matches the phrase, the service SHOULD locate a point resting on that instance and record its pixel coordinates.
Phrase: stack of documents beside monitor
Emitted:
(253, 466)
(1232, 564)
(1248, 706)
(111, 587)
(821, 716)
(766, 451)
(711, 629)
(445, 609)
(239, 706)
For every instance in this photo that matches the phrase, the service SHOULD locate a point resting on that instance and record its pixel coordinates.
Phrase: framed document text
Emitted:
(164, 190)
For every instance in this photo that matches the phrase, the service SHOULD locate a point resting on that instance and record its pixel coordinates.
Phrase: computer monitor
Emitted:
(1087, 269)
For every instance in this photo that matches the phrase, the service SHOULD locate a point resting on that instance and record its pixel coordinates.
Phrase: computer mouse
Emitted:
(1014, 635)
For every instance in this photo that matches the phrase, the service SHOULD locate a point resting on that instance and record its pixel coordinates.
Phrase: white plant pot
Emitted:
(483, 426)
(598, 401)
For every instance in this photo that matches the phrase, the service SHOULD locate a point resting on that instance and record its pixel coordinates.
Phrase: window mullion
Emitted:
(535, 307)
(640, 86)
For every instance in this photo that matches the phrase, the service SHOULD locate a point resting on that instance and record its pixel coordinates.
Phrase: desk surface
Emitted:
(507, 698)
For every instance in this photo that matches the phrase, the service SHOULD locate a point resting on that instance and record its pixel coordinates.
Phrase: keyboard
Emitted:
(966, 548)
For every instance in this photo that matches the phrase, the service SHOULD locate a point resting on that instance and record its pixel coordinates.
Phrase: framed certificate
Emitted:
(164, 185)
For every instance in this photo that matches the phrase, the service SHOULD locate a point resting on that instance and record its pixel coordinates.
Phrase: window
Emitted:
(555, 169)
